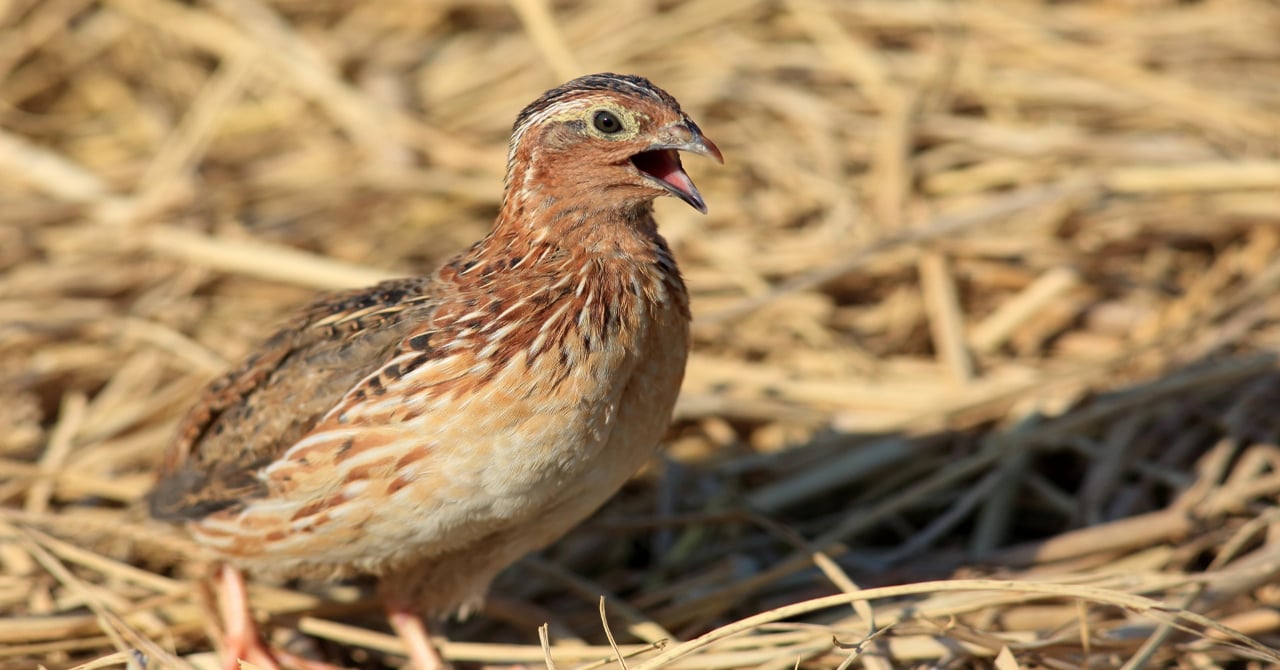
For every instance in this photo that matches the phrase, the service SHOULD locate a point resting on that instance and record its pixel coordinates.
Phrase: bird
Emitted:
(430, 431)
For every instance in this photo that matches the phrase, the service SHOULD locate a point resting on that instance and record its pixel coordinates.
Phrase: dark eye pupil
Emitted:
(606, 122)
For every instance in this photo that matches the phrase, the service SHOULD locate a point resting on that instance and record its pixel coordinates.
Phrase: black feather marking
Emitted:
(420, 342)
(417, 362)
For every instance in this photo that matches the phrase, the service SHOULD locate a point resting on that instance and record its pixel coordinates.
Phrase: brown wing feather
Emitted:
(251, 415)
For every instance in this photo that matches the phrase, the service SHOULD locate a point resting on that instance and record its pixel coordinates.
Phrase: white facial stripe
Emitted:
(558, 110)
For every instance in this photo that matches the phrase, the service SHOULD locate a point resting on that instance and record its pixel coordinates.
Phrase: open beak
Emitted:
(660, 162)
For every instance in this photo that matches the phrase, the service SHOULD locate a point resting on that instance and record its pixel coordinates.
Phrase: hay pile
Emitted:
(986, 316)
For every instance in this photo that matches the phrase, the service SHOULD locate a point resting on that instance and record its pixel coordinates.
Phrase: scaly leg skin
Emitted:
(423, 654)
(243, 641)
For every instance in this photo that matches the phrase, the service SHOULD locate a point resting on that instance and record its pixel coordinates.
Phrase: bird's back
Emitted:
(247, 418)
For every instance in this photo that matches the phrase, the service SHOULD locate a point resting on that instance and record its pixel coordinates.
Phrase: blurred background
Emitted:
(987, 289)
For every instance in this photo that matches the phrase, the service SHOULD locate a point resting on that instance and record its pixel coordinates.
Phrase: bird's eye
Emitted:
(606, 122)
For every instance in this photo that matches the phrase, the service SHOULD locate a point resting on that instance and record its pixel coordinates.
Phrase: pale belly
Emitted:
(549, 458)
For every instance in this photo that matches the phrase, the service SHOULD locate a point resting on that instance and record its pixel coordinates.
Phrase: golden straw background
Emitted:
(986, 318)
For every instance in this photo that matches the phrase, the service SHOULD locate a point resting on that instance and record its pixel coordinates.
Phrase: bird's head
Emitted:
(611, 139)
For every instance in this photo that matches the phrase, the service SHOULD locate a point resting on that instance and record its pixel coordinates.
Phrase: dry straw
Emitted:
(987, 308)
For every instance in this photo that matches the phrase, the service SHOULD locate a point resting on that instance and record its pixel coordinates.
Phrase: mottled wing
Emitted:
(252, 415)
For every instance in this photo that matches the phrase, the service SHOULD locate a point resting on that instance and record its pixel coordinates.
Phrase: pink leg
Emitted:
(422, 652)
(242, 638)
(243, 641)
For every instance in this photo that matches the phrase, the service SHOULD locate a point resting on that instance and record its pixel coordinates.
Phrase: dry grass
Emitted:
(987, 306)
